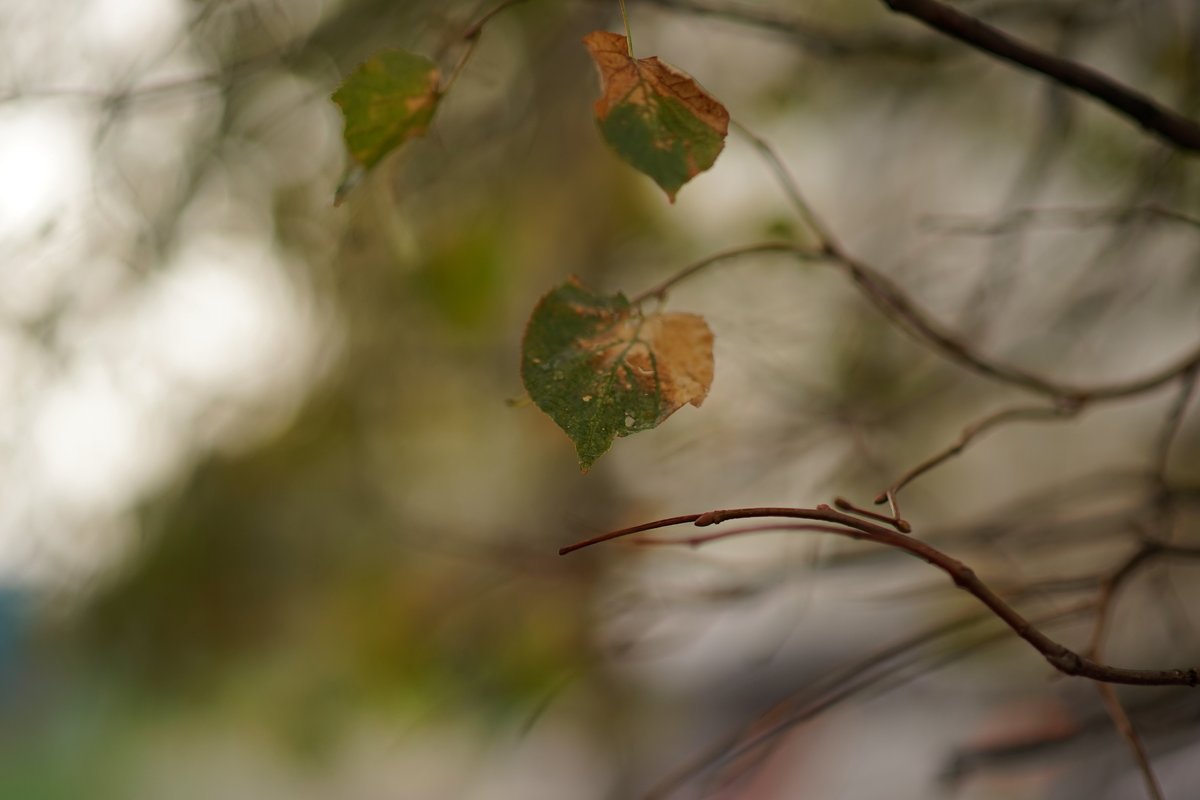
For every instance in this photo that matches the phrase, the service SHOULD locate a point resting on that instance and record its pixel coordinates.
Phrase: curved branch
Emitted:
(1126, 101)
(816, 39)
(893, 664)
(659, 291)
(898, 308)
(1056, 217)
(1062, 658)
(471, 37)
(969, 434)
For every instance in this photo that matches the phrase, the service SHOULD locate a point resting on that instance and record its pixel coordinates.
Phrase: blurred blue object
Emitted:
(14, 616)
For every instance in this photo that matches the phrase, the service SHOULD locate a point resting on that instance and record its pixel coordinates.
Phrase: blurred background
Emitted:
(276, 523)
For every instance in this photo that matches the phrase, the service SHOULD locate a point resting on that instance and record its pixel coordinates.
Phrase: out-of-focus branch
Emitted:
(1057, 217)
(1127, 101)
(894, 303)
(471, 37)
(1112, 703)
(1173, 421)
(814, 38)
(1120, 719)
(659, 291)
(1058, 655)
(884, 670)
(969, 434)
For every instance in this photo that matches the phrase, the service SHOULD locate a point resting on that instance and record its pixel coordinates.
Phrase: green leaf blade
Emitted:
(600, 369)
(388, 100)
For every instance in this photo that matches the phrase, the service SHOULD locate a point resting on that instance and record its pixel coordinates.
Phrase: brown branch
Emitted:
(887, 664)
(1110, 587)
(896, 306)
(1069, 400)
(814, 698)
(1112, 703)
(1124, 726)
(824, 235)
(901, 310)
(1059, 656)
(471, 37)
(1173, 422)
(1142, 109)
(659, 291)
(706, 538)
(894, 520)
(817, 39)
(1058, 216)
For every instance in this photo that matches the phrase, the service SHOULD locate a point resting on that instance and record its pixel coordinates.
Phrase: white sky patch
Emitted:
(121, 32)
(115, 377)
(44, 159)
(177, 368)
(223, 315)
(95, 449)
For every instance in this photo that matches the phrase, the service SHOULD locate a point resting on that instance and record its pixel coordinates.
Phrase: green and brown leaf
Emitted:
(655, 117)
(602, 369)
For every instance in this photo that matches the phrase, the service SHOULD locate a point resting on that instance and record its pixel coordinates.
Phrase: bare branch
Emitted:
(471, 37)
(783, 177)
(1173, 421)
(659, 291)
(1125, 728)
(1112, 703)
(1053, 216)
(884, 670)
(895, 520)
(1148, 113)
(816, 39)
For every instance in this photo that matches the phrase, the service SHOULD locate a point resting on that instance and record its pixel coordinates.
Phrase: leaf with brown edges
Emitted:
(600, 368)
(658, 119)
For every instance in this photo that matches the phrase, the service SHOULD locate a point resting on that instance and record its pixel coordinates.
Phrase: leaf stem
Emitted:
(628, 31)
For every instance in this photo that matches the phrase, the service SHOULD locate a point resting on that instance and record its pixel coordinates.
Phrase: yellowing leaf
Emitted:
(601, 369)
(657, 118)
(387, 101)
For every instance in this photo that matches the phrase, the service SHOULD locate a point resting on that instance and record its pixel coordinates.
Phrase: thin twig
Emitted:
(659, 291)
(870, 672)
(1148, 113)
(1112, 703)
(1056, 216)
(1109, 589)
(904, 312)
(1059, 656)
(814, 698)
(471, 37)
(783, 177)
(895, 520)
(969, 434)
(1124, 726)
(900, 309)
(814, 38)
(1172, 423)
